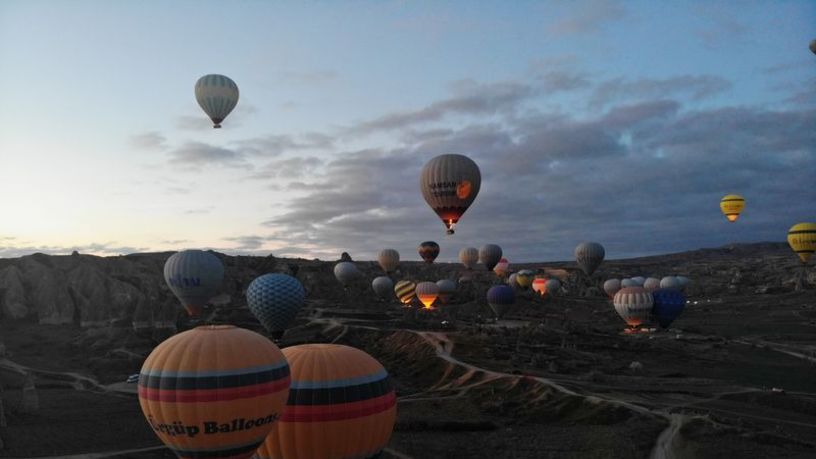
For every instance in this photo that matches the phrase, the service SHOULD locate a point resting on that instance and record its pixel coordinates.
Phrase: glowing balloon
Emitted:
(214, 391)
(427, 292)
(634, 305)
(383, 286)
(540, 286)
(732, 205)
(194, 276)
(611, 287)
(668, 305)
(501, 267)
(589, 256)
(449, 184)
(388, 259)
(275, 299)
(341, 405)
(489, 255)
(500, 298)
(447, 288)
(802, 239)
(405, 291)
(217, 95)
(469, 256)
(428, 250)
(346, 272)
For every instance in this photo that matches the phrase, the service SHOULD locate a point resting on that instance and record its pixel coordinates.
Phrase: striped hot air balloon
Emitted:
(194, 276)
(405, 291)
(469, 256)
(732, 205)
(205, 395)
(341, 405)
(388, 259)
(449, 184)
(217, 95)
(275, 299)
(427, 292)
(489, 255)
(802, 239)
(589, 256)
(634, 305)
(428, 250)
(447, 288)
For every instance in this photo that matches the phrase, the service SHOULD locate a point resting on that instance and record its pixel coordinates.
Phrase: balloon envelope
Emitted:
(651, 283)
(489, 255)
(802, 239)
(553, 286)
(346, 272)
(217, 95)
(589, 256)
(611, 287)
(405, 291)
(669, 282)
(501, 267)
(194, 276)
(428, 250)
(383, 286)
(447, 288)
(732, 205)
(208, 381)
(388, 260)
(469, 256)
(540, 286)
(427, 292)
(500, 298)
(634, 305)
(668, 305)
(275, 299)
(524, 278)
(449, 184)
(628, 282)
(341, 405)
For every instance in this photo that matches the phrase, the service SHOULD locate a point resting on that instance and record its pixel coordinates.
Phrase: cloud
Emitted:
(149, 141)
(586, 16)
(247, 242)
(470, 99)
(274, 145)
(200, 210)
(696, 87)
(289, 168)
(196, 155)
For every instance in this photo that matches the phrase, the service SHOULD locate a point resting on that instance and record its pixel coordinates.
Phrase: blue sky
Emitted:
(104, 149)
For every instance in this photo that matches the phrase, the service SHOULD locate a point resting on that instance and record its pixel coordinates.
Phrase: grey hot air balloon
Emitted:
(469, 256)
(194, 276)
(217, 95)
(651, 284)
(553, 286)
(684, 282)
(447, 288)
(813, 46)
(389, 260)
(346, 272)
(511, 280)
(490, 255)
(383, 286)
(670, 282)
(639, 280)
(628, 282)
(634, 305)
(589, 256)
(611, 287)
(449, 184)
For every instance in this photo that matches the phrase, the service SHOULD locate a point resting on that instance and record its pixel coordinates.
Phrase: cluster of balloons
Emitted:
(636, 305)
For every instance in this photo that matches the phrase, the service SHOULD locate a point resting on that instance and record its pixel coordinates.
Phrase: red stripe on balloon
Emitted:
(338, 412)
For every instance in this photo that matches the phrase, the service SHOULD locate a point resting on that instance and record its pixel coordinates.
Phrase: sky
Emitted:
(621, 122)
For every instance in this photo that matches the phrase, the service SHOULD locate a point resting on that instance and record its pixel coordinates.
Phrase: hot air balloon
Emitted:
(194, 276)
(275, 299)
(346, 272)
(628, 282)
(489, 255)
(428, 250)
(501, 267)
(469, 256)
(553, 286)
(669, 282)
(634, 305)
(684, 282)
(512, 280)
(341, 405)
(500, 298)
(217, 95)
(540, 286)
(214, 391)
(524, 278)
(651, 284)
(449, 184)
(812, 46)
(405, 291)
(668, 305)
(427, 292)
(611, 287)
(388, 259)
(802, 239)
(639, 280)
(447, 288)
(383, 286)
(732, 205)
(589, 256)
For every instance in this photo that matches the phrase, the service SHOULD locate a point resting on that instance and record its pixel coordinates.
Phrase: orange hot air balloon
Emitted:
(540, 286)
(205, 396)
(341, 406)
(427, 292)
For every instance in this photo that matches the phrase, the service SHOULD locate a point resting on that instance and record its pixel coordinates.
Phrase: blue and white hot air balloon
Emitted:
(194, 276)
(217, 95)
(275, 299)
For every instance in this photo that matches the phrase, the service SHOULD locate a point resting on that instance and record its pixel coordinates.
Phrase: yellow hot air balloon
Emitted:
(802, 239)
(406, 292)
(732, 205)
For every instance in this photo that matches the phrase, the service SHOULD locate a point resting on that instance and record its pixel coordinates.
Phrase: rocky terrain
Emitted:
(736, 374)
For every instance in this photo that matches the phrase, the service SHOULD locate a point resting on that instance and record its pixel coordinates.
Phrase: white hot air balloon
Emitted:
(611, 287)
(469, 256)
(388, 259)
(634, 305)
(194, 276)
(628, 282)
(669, 282)
(346, 272)
(639, 280)
(651, 284)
